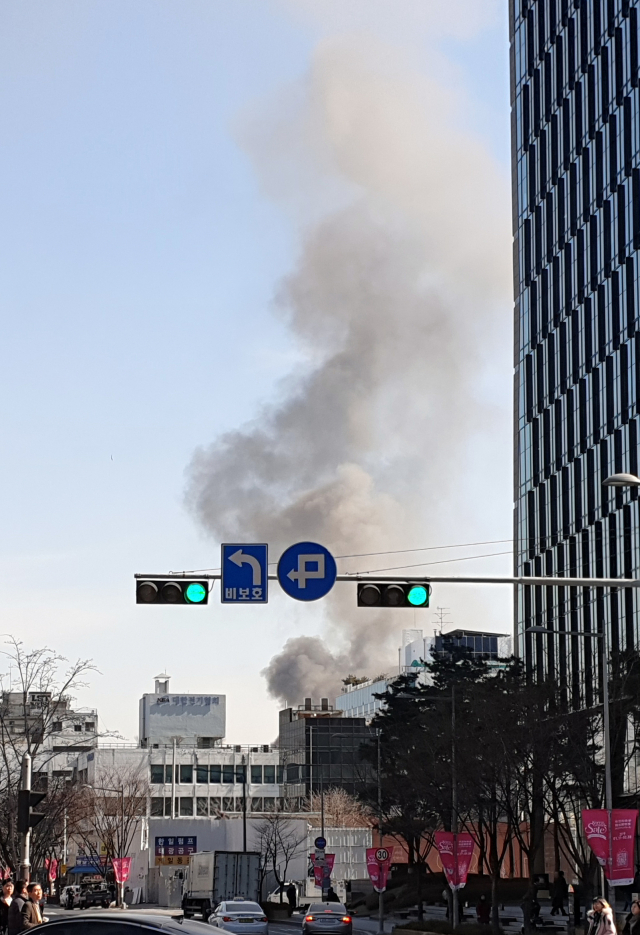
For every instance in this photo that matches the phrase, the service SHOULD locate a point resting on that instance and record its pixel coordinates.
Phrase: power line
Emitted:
(444, 561)
(428, 548)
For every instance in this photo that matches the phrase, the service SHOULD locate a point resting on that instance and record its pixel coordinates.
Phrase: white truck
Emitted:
(216, 876)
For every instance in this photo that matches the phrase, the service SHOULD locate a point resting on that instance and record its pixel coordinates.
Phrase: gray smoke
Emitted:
(397, 296)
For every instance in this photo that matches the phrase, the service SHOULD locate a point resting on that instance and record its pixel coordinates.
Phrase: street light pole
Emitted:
(455, 907)
(25, 785)
(379, 771)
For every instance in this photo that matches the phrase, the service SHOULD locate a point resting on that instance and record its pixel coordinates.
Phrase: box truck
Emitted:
(214, 877)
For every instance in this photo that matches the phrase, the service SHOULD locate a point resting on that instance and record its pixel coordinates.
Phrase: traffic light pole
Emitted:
(25, 786)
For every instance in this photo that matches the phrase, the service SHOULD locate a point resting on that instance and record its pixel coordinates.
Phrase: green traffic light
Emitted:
(418, 595)
(195, 593)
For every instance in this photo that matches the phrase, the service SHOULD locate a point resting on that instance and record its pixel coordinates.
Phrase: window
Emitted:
(202, 774)
(186, 773)
(202, 806)
(239, 806)
(256, 804)
(241, 772)
(215, 773)
(157, 807)
(168, 774)
(186, 807)
(269, 774)
(157, 774)
(281, 774)
(77, 727)
(227, 773)
(256, 774)
(269, 803)
(215, 804)
(57, 727)
(228, 803)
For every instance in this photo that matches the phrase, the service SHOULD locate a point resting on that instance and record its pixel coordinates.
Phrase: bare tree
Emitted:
(33, 695)
(279, 840)
(341, 810)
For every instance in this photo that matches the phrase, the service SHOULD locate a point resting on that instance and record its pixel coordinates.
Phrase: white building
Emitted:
(164, 717)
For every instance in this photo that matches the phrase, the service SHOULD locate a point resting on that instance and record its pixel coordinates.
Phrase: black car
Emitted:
(121, 922)
(96, 895)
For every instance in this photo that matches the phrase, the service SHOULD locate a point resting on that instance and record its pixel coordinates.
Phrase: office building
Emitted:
(576, 223)
(192, 719)
(320, 749)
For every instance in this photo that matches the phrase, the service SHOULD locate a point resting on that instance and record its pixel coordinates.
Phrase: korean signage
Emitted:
(175, 850)
(611, 836)
(91, 864)
(456, 853)
(378, 864)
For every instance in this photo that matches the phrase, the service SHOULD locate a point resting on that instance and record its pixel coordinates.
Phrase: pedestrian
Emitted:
(14, 918)
(5, 902)
(332, 896)
(559, 893)
(483, 911)
(292, 896)
(31, 914)
(632, 923)
(601, 921)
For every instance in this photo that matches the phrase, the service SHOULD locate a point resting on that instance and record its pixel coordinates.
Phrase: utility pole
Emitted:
(173, 781)
(244, 802)
(455, 906)
(381, 893)
(25, 786)
(122, 846)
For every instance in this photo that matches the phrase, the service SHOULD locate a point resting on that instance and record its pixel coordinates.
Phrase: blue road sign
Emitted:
(244, 573)
(320, 843)
(307, 571)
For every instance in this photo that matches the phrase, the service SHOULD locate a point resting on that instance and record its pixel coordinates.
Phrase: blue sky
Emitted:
(139, 259)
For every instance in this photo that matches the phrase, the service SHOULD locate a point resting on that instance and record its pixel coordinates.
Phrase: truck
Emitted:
(215, 876)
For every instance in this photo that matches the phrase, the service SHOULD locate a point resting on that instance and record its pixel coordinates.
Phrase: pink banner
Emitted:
(322, 872)
(378, 864)
(121, 868)
(51, 866)
(456, 854)
(619, 871)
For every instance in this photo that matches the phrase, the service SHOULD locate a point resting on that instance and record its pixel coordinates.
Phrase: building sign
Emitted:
(91, 863)
(175, 850)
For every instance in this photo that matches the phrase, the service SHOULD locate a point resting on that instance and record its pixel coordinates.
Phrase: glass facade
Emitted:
(576, 201)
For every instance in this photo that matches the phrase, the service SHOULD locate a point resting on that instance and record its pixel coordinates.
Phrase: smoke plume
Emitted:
(401, 288)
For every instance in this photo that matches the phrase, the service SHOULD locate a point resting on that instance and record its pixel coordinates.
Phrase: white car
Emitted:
(240, 916)
(68, 893)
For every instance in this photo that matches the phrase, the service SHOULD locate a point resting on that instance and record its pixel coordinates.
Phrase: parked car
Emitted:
(69, 896)
(327, 917)
(94, 894)
(240, 916)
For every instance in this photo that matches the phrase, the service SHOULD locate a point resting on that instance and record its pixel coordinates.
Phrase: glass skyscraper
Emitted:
(576, 204)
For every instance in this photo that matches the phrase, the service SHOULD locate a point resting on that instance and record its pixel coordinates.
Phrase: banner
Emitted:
(322, 870)
(51, 866)
(456, 854)
(378, 864)
(121, 868)
(621, 832)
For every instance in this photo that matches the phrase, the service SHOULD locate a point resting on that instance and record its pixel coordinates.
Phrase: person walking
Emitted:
(632, 923)
(483, 911)
(559, 894)
(5, 902)
(601, 920)
(31, 914)
(14, 918)
(292, 894)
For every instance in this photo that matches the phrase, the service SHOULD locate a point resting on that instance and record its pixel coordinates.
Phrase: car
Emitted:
(95, 894)
(240, 916)
(123, 922)
(327, 917)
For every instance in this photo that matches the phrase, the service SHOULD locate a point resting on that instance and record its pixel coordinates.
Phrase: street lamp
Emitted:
(622, 480)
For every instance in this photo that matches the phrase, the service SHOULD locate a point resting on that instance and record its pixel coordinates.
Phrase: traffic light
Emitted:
(172, 591)
(26, 817)
(393, 594)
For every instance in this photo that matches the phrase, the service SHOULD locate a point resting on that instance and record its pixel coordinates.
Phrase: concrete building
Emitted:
(576, 223)
(195, 719)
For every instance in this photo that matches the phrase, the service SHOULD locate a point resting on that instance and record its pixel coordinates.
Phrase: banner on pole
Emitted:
(51, 866)
(121, 868)
(378, 864)
(617, 828)
(322, 870)
(456, 854)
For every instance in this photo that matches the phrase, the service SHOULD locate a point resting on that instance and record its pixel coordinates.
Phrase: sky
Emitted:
(165, 165)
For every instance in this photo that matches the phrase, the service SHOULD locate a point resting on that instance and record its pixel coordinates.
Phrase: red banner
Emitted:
(121, 868)
(322, 871)
(378, 864)
(51, 866)
(620, 834)
(456, 854)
